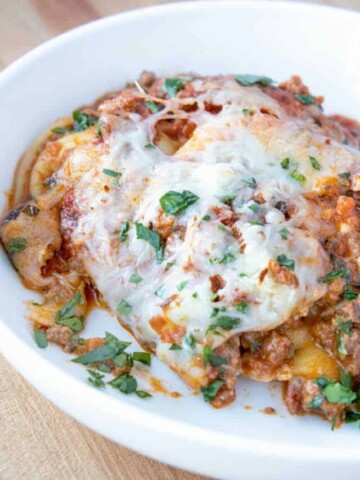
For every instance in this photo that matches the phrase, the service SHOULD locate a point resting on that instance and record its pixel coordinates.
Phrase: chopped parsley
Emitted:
(182, 285)
(16, 245)
(285, 163)
(61, 130)
(216, 311)
(339, 273)
(315, 163)
(226, 322)
(142, 357)
(142, 394)
(111, 173)
(124, 228)
(125, 383)
(224, 229)
(249, 79)
(175, 347)
(211, 390)
(190, 340)
(210, 357)
(284, 232)
(227, 258)
(299, 177)
(227, 199)
(345, 175)
(172, 86)
(336, 392)
(122, 359)
(242, 274)
(284, 261)
(350, 294)
(108, 351)
(344, 325)
(152, 106)
(206, 218)
(96, 379)
(168, 266)
(242, 307)
(152, 238)
(255, 207)
(98, 131)
(351, 417)
(149, 146)
(40, 338)
(82, 121)
(66, 315)
(250, 182)
(195, 295)
(123, 307)
(304, 99)
(256, 222)
(175, 203)
(316, 402)
(134, 278)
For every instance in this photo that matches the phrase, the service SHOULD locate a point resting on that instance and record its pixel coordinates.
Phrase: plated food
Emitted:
(217, 218)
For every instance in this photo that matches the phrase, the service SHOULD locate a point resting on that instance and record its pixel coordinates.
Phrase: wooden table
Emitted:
(37, 440)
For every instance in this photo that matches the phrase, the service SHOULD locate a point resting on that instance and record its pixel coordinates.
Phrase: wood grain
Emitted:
(37, 440)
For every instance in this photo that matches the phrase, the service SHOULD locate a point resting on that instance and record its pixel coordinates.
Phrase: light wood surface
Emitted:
(37, 440)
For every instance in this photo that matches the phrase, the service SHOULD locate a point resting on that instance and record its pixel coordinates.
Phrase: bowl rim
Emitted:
(20, 354)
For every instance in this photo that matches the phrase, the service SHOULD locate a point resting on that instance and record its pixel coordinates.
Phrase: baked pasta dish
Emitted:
(218, 218)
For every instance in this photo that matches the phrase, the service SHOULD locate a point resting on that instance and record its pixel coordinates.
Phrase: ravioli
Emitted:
(201, 211)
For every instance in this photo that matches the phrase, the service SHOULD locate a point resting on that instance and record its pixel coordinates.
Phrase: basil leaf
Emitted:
(315, 163)
(210, 357)
(16, 245)
(227, 258)
(142, 394)
(82, 121)
(339, 273)
(96, 379)
(109, 351)
(242, 307)
(61, 130)
(322, 382)
(299, 177)
(124, 228)
(175, 203)
(250, 182)
(123, 307)
(182, 285)
(226, 322)
(255, 207)
(211, 390)
(121, 360)
(111, 173)
(345, 175)
(175, 347)
(172, 86)
(152, 106)
(285, 163)
(68, 310)
(344, 326)
(350, 294)
(337, 393)
(191, 341)
(284, 233)
(304, 99)
(142, 357)
(206, 218)
(249, 79)
(153, 238)
(149, 146)
(75, 323)
(345, 379)
(40, 338)
(284, 261)
(125, 383)
(134, 278)
(315, 403)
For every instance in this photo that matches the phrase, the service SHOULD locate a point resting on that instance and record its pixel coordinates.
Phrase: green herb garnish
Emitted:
(125, 383)
(152, 238)
(315, 163)
(123, 307)
(142, 357)
(250, 182)
(111, 173)
(190, 340)
(284, 261)
(299, 177)
(175, 203)
(175, 347)
(40, 338)
(152, 106)
(66, 315)
(249, 79)
(339, 273)
(172, 86)
(242, 307)
(210, 357)
(134, 278)
(211, 390)
(350, 294)
(284, 232)
(16, 245)
(142, 394)
(108, 351)
(304, 99)
(82, 121)
(182, 285)
(315, 403)
(285, 163)
(96, 379)
(123, 234)
(344, 325)
(206, 218)
(255, 207)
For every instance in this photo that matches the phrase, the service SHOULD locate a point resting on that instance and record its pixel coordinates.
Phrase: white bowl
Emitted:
(278, 39)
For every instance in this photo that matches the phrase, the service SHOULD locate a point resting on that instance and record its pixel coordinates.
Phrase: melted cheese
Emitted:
(222, 157)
